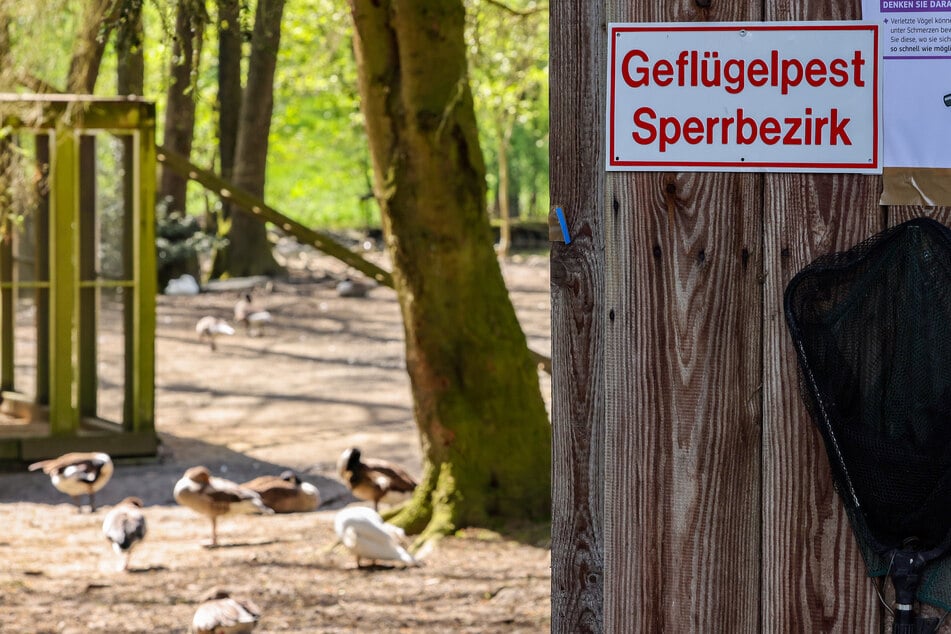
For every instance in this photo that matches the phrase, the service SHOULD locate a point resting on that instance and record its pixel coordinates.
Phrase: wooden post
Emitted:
(64, 418)
(41, 250)
(146, 277)
(87, 376)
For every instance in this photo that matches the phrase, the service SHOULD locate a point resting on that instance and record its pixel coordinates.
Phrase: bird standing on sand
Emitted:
(220, 613)
(213, 497)
(286, 493)
(254, 320)
(209, 327)
(373, 479)
(364, 532)
(124, 526)
(77, 474)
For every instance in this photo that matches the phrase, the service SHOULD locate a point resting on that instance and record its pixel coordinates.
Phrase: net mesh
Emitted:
(872, 331)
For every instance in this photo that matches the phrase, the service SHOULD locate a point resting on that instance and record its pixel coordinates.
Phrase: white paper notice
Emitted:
(916, 89)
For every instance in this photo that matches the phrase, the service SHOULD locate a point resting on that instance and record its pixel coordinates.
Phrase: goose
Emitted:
(209, 327)
(246, 313)
(373, 479)
(125, 527)
(77, 474)
(212, 497)
(367, 536)
(285, 493)
(220, 613)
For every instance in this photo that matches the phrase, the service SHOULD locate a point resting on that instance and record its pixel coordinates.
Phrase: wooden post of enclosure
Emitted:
(691, 492)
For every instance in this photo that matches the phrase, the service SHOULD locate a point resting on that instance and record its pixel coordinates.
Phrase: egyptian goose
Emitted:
(77, 474)
(213, 497)
(220, 613)
(254, 320)
(373, 479)
(285, 493)
(124, 526)
(363, 531)
(209, 327)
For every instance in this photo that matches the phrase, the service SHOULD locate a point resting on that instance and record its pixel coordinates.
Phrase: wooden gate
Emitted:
(690, 490)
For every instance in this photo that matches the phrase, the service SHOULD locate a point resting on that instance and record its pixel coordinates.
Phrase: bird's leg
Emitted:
(214, 531)
(92, 502)
(78, 502)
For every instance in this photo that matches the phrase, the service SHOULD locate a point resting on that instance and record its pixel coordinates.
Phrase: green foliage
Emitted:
(318, 167)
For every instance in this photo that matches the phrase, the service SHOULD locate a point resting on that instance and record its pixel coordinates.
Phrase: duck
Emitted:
(213, 497)
(285, 493)
(348, 287)
(125, 527)
(254, 320)
(209, 327)
(373, 479)
(77, 474)
(367, 536)
(220, 613)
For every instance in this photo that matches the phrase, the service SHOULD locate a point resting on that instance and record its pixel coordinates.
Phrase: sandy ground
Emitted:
(327, 374)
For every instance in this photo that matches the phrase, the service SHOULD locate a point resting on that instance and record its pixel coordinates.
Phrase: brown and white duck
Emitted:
(125, 527)
(373, 479)
(77, 474)
(246, 312)
(285, 493)
(220, 613)
(213, 497)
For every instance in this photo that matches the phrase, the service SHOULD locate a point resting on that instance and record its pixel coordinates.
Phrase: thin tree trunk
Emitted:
(505, 231)
(180, 104)
(130, 63)
(99, 18)
(249, 250)
(482, 421)
(229, 82)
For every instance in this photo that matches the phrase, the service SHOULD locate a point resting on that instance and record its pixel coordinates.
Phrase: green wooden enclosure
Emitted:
(691, 491)
(77, 276)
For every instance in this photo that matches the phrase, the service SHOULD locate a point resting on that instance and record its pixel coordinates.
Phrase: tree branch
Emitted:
(519, 12)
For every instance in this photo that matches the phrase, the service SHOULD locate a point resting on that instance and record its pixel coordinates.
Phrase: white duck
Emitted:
(247, 313)
(209, 327)
(219, 613)
(212, 497)
(77, 474)
(363, 531)
(125, 527)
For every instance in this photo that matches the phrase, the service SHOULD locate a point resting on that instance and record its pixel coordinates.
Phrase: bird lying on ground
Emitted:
(77, 474)
(124, 526)
(285, 493)
(213, 497)
(254, 320)
(220, 613)
(373, 479)
(348, 287)
(209, 327)
(364, 532)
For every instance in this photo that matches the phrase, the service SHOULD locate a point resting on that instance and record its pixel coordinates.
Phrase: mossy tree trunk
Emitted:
(482, 422)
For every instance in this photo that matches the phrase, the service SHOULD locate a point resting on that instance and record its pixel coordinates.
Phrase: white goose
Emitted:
(77, 474)
(363, 531)
(209, 327)
(125, 527)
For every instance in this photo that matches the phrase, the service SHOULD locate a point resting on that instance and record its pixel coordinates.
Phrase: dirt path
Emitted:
(326, 375)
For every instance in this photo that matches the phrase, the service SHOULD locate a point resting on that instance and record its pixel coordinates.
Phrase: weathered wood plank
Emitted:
(682, 367)
(577, 54)
(814, 578)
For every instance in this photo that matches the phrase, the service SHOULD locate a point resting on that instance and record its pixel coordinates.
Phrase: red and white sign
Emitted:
(767, 96)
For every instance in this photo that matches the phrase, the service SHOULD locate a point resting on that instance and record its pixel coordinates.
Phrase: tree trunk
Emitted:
(229, 82)
(99, 18)
(249, 250)
(180, 104)
(484, 430)
(130, 57)
(505, 212)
